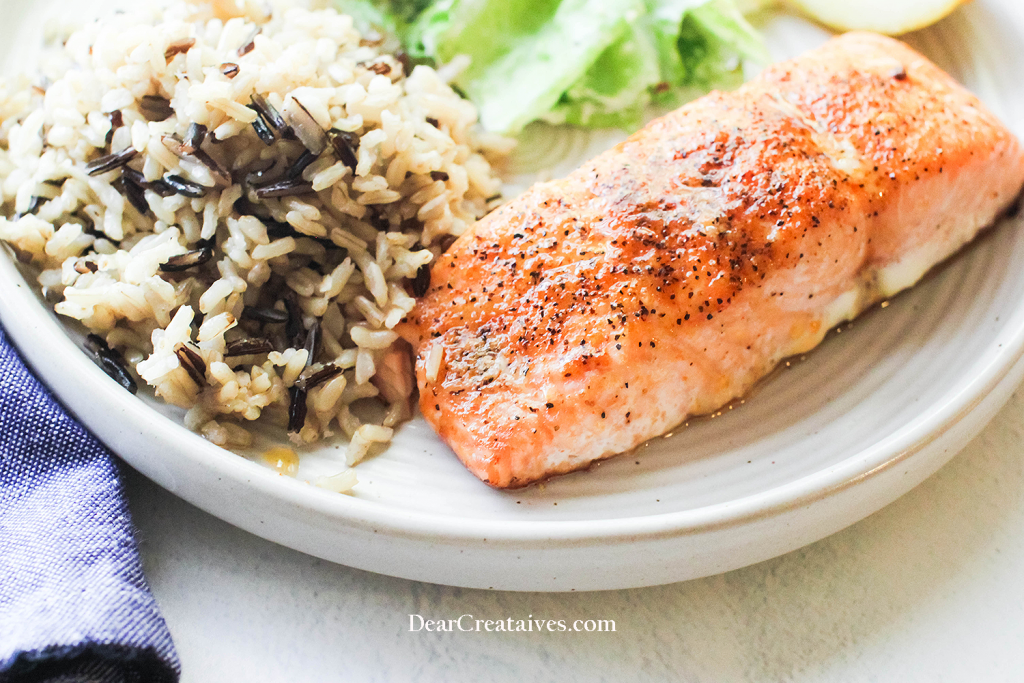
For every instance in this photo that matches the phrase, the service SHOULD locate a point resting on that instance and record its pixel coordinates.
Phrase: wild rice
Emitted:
(200, 187)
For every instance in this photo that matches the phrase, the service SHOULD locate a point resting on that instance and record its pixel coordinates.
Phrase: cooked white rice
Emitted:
(337, 243)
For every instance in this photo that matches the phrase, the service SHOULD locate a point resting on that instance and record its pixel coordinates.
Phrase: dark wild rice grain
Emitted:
(345, 146)
(178, 47)
(116, 121)
(111, 361)
(267, 112)
(194, 137)
(250, 43)
(318, 377)
(421, 283)
(248, 347)
(218, 172)
(184, 187)
(265, 315)
(192, 362)
(296, 409)
(263, 131)
(190, 259)
(155, 108)
(301, 164)
(295, 331)
(284, 188)
(136, 195)
(110, 161)
(158, 186)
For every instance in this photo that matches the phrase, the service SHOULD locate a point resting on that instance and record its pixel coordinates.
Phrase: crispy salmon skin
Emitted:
(667, 275)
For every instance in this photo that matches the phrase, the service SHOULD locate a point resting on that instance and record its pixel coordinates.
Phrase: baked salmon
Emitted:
(663, 278)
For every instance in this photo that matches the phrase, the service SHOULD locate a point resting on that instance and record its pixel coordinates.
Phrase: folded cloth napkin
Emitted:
(74, 604)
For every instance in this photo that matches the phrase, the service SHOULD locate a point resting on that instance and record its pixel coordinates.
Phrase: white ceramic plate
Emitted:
(824, 442)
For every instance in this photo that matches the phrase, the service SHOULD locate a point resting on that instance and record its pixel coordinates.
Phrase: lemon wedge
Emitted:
(883, 16)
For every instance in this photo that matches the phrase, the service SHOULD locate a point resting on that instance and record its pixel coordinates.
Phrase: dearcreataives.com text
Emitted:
(467, 622)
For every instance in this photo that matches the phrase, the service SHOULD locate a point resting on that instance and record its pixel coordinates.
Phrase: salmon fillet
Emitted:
(665, 277)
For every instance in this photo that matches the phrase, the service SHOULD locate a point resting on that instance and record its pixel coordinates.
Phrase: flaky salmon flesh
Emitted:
(663, 278)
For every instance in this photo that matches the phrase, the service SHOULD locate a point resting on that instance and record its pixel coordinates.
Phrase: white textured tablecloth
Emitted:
(930, 588)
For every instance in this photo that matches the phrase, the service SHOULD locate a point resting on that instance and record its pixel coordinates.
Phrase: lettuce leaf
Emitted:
(615, 91)
(580, 62)
(524, 53)
(713, 41)
(677, 50)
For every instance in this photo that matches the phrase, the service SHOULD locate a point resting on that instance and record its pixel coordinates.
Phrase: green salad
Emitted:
(587, 63)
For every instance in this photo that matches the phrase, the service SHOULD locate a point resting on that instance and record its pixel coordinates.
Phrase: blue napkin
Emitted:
(74, 604)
